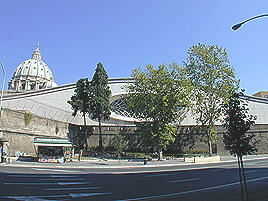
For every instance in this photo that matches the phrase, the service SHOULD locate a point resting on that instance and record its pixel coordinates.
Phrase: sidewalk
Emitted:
(111, 163)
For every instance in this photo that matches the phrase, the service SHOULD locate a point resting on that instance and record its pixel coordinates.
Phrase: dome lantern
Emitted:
(36, 54)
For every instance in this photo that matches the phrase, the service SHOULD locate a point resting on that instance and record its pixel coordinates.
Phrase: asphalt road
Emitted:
(203, 182)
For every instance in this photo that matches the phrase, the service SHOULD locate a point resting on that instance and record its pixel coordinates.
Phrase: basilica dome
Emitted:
(32, 74)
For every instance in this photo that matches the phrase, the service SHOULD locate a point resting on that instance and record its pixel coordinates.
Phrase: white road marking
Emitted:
(77, 195)
(33, 176)
(63, 176)
(159, 175)
(219, 168)
(250, 171)
(184, 180)
(73, 183)
(26, 198)
(13, 183)
(65, 189)
(170, 170)
(250, 164)
(37, 197)
(261, 166)
(62, 179)
(227, 165)
(57, 170)
(27, 176)
(193, 191)
(54, 183)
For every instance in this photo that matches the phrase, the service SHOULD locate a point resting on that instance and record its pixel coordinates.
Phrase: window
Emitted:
(32, 86)
(266, 96)
(23, 86)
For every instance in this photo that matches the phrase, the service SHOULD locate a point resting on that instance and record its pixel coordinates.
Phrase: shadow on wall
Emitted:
(78, 135)
(187, 139)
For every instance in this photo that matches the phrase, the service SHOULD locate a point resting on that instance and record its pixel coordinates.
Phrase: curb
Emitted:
(98, 166)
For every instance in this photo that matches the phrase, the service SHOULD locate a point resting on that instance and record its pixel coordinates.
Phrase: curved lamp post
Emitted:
(2, 94)
(237, 26)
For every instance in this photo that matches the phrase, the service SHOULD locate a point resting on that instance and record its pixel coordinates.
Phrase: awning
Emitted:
(54, 142)
(3, 140)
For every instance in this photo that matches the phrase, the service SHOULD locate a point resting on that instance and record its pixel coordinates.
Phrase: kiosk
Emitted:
(52, 150)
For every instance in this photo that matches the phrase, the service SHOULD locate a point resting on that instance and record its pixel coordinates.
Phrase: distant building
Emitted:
(262, 94)
(32, 74)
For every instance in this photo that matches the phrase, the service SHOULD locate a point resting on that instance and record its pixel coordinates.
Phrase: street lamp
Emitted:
(237, 26)
(2, 94)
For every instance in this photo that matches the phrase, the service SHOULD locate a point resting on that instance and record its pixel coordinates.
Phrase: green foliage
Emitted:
(237, 121)
(156, 99)
(100, 92)
(79, 139)
(118, 144)
(80, 100)
(27, 118)
(208, 69)
(57, 129)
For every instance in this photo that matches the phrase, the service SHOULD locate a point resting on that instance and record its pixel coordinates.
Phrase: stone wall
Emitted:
(21, 135)
(189, 140)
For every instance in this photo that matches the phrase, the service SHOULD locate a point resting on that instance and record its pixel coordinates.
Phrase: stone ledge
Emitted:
(202, 159)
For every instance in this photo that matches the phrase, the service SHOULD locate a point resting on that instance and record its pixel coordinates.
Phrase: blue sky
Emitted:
(75, 35)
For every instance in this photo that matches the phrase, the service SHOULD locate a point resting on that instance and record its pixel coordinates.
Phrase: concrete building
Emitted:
(261, 94)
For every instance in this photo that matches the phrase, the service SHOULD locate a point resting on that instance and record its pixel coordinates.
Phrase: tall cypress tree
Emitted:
(80, 103)
(100, 92)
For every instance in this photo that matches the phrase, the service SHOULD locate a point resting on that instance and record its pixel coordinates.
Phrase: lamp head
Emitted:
(237, 26)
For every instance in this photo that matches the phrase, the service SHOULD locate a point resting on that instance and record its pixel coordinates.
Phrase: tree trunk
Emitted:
(85, 120)
(240, 177)
(100, 135)
(160, 154)
(244, 176)
(84, 129)
(72, 156)
(209, 145)
(80, 154)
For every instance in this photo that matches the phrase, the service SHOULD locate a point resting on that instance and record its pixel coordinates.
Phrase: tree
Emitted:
(80, 100)
(237, 121)
(80, 103)
(118, 143)
(156, 99)
(208, 69)
(100, 92)
(79, 138)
